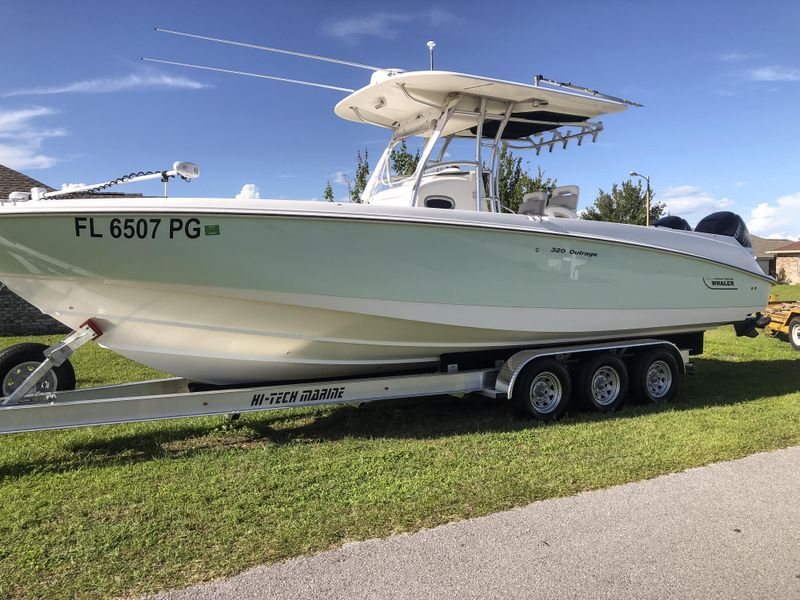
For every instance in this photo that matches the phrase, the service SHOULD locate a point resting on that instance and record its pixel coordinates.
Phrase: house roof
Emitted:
(14, 181)
(790, 248)
(762, 247)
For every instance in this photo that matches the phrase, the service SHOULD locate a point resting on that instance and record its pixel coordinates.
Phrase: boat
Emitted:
(232, 291)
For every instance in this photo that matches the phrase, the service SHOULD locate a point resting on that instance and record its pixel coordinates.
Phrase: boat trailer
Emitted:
(536, 381)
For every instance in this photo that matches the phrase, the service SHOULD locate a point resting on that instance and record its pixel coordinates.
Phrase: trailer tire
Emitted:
(794, 332)
(603, 382)
(656, 376)
(17, 362)
(542, 391)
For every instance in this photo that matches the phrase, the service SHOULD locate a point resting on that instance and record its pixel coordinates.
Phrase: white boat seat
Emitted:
(561, 212)
(565, 196)
(533, 203)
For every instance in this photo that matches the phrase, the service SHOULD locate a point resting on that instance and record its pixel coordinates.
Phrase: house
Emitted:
(787, 262)
(762, 248)
(17, 317)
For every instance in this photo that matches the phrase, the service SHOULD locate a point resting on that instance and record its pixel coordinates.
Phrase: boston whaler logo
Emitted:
(720, 283)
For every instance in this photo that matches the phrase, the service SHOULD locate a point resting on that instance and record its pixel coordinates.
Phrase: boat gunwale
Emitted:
(388, 218)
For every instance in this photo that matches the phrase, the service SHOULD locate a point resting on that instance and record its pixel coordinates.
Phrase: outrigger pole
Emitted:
(270, 49)
(248, 74)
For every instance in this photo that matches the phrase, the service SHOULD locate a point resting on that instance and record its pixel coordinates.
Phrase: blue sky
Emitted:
(720, 82)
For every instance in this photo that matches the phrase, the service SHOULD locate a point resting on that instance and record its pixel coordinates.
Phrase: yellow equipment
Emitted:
(784, 319)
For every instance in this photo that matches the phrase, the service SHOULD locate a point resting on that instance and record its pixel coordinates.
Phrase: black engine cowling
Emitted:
(726, 223)
(673, 222)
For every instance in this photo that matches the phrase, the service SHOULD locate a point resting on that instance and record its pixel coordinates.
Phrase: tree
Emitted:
(625, 204)
(360, 181)
(403, 162)
(513, 182)
(328, 193)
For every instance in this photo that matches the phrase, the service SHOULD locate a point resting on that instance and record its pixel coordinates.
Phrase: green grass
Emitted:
(787, 292)
(99, 512)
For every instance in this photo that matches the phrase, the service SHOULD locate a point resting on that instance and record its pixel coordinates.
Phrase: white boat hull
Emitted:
(296, 293)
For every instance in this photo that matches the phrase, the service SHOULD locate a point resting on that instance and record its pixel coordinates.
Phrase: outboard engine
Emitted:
(726, 223)
(673, 222)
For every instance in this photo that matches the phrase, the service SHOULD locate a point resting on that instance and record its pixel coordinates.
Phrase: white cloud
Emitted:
(21, 141)
(681, 190)
(790, 201)
(249, 191)
(739, 56)
(762, 218)
(71, 186)
(780, 219)
(150, 80)
(740, 183)
(386, 24)
(340, 177)
(691, 202)
(773, 73)
(19, 119)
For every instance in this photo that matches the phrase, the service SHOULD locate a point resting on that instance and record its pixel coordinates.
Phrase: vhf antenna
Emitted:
(431, 46)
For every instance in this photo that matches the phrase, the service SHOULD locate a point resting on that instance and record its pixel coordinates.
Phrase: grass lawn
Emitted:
(128, 509)
(786, 292)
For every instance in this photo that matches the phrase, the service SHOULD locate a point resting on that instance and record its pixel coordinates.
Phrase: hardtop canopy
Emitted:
(407, 101)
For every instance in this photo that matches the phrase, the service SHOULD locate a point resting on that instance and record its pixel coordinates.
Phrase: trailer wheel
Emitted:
(603, 382)
(794, 332)
(542, 391)
(656, 376)
(19, 361)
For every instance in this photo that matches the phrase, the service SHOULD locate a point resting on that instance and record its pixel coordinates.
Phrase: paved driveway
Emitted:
(729, 530)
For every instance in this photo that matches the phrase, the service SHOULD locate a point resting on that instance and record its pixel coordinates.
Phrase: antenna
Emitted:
(185, 170)
(270, 49)
(247, 74)
(431, 46)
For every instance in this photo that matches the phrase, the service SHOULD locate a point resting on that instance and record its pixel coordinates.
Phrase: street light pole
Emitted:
(646, 195)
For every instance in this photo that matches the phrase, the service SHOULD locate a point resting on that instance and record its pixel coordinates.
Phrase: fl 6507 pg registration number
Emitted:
(142, 228)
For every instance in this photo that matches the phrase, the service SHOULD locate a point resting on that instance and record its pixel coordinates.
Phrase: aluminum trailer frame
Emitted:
(172, 398)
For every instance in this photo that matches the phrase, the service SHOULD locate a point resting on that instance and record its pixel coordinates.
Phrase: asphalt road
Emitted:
(729, 530)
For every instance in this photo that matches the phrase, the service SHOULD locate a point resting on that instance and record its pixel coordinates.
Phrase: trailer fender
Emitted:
(511, 369)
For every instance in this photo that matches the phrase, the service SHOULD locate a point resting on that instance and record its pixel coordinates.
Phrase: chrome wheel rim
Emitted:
(659, 379)
(13, 379)
(605, 385)
(545, 392)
